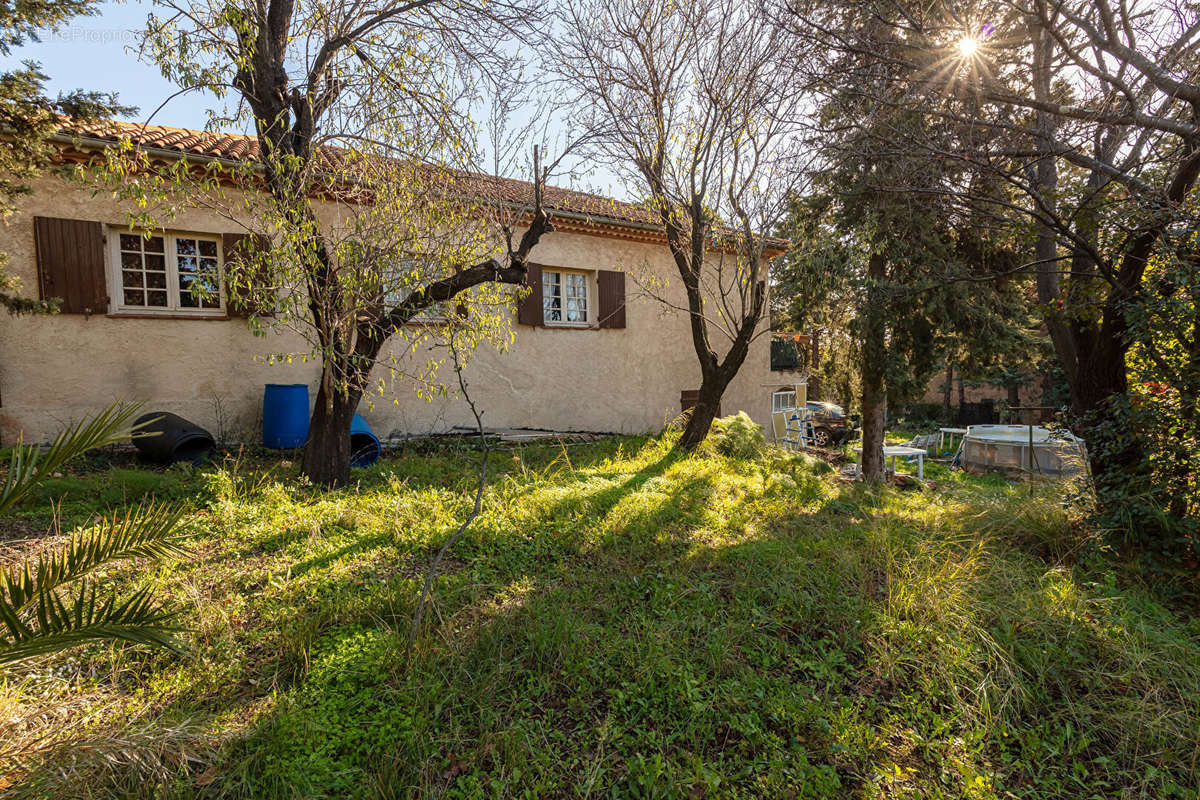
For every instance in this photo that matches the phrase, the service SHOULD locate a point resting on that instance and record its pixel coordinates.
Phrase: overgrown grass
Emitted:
(620, 622)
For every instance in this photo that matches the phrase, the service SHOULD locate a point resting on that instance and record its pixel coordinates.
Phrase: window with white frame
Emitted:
(783, 400)
(564, 297)
(167, 273)
(398, 283)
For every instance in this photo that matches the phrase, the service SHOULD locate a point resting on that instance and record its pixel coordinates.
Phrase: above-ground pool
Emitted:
(1005, 448)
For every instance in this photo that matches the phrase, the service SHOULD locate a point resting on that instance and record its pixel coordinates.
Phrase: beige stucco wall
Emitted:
(55, 369)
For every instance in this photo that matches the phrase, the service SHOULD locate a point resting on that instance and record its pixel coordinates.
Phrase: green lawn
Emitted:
(620, 622)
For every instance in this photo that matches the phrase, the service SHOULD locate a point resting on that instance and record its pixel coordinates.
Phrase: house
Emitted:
(623, 363)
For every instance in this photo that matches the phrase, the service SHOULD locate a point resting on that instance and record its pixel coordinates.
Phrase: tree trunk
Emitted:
(949, 387)
(1092, 356)
(873, 425)
(962, 394)
(1101, 376)
(874, 395)
(326, 459)
(814, 367)
(715, 376)
(712, 387)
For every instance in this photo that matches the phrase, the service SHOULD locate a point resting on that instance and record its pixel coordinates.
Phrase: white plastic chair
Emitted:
(925, 442)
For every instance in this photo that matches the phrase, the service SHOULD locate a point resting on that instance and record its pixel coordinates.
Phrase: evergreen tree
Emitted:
(812, 293)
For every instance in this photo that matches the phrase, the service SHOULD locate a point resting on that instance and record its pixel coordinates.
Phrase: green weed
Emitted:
(622, 622)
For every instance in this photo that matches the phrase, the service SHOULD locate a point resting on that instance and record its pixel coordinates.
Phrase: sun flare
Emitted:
(968, 46)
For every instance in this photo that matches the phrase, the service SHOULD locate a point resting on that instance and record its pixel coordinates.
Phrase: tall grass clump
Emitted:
(736, 436)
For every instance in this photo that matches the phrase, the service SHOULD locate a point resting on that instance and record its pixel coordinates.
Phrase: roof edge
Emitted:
(99, 144)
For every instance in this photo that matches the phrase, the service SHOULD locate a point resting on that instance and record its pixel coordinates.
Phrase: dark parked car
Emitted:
(831, 426)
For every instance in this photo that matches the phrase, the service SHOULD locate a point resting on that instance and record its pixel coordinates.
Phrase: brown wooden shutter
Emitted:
(611, 288)
(688, 398)
(529, 312)
(70, 261)
(241, 300)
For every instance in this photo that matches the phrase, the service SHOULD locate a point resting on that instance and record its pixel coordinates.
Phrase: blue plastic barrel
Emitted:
(285, 415)
(364, 444)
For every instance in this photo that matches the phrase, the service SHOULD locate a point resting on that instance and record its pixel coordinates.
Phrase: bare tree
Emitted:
(1107, 163)
(690, 103)
(349, 104)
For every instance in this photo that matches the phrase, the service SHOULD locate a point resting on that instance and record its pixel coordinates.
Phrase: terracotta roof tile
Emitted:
(239, 147)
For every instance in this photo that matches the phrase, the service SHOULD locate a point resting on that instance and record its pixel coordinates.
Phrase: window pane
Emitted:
(144, 282)
(207, 288)
(186, 298)
(209, 280)
(552, 296)
(576, 291)
(211, 297)
(133, 275)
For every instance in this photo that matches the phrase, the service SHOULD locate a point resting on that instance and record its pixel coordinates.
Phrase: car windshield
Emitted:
(827, 408)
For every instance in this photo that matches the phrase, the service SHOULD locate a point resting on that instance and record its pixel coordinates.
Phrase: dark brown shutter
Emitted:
(529, 312)
(241, 299)
(611, 288)
(688, 398)
(70, 261)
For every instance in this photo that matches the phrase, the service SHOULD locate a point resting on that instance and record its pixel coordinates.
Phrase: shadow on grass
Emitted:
(788, 664)
(649, 636)
(359, 545)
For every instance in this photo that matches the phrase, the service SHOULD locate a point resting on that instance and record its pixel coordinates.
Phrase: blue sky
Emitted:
(98, 52)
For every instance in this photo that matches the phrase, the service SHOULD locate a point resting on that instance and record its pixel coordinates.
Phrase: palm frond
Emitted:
(29, 464)
(147, 531)
(39, 614)
(57, 624)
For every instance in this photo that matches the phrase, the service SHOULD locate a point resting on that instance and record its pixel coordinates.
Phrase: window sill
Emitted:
(219, 316)
(571, 326)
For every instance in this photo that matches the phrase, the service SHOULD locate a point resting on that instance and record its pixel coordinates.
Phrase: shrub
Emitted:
(1152, 505)
(807, 463)
(736, 436)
